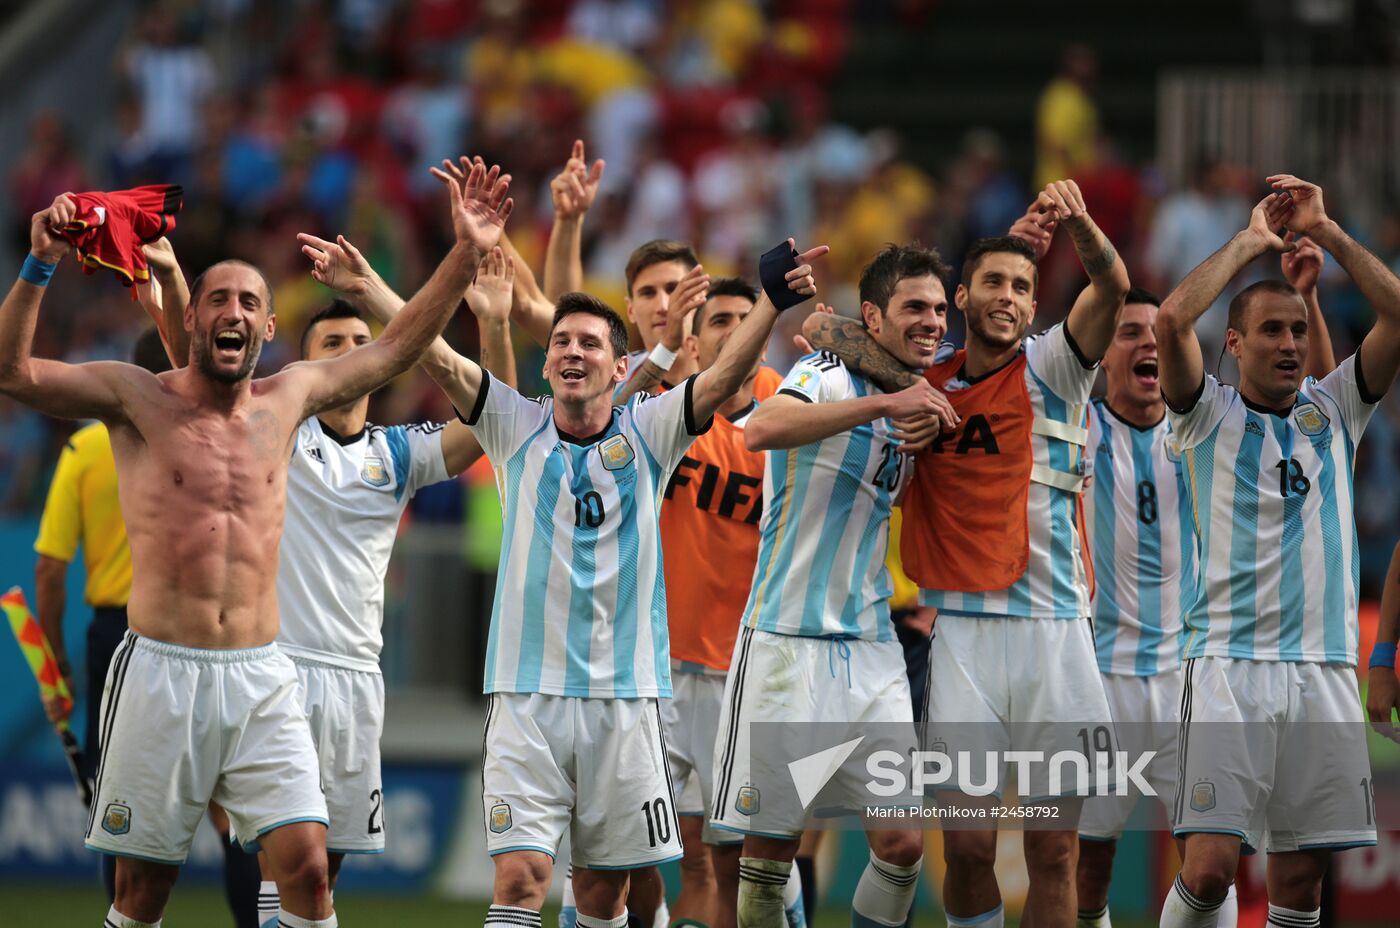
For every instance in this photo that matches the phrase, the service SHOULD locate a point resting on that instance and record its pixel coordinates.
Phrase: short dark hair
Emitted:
(658, 251)
(338, 309)
(894, 263)
(149, 352)
(1141, 295)
(723, 286)
(1240, 304)
(197, 287)
(571, 303)
(1000, 243)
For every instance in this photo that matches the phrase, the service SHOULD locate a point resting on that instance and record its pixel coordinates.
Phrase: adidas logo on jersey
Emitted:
(1254, 428)
(314, 454)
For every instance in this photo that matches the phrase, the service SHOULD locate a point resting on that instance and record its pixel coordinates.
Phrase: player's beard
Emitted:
(976, 324)
(204, 360)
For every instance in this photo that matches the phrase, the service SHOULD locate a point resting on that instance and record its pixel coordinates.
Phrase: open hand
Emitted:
(690, 294)
(1269, 215)
(489, 295)
(478, 201)
(574, 189)
(339, 264)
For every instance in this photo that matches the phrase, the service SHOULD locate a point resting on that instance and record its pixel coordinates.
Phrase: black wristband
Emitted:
(773, 268)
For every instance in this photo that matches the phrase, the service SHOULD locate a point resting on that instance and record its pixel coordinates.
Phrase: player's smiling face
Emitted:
(914, 321)
(999, 301)
(580, 364)
(230, 322)
(1273, 348)
(650, 299)
(1131, 358)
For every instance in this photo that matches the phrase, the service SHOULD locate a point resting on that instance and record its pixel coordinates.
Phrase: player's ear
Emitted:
(872, 316)
(620, 369)
(188, 318)
(960, 298)
(1232, 343)
(270, 329)
(692, 346)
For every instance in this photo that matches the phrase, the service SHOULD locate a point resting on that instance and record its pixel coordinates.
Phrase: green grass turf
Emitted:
(55, 906)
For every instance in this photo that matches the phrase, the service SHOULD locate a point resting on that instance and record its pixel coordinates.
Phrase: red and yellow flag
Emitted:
(35, 647)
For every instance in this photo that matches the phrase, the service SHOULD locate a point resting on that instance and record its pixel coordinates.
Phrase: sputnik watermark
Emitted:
(895, 774)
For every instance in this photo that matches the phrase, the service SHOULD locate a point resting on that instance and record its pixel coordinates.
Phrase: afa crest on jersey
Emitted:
(500, 818)
(1173, 447)
(1312, 421)
(117, 819)
(747, 801)
(1203, 796)
(374, 472)
(616, 452)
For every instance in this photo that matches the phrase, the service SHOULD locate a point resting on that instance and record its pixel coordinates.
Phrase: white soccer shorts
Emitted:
(594, 767)
(834, 690)
(691, 717)
(345, 709)
(1000, 684)
(1146, 717)
(181, 726)
(1276, 749)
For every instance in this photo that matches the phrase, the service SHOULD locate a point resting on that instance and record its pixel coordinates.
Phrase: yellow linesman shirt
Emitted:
(83, 507)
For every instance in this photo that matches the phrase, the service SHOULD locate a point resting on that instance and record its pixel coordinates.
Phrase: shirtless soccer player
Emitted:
(349, 484)
(577, 656)
(199, 703)
(1273, 738)
(991, 534)
(817, 644)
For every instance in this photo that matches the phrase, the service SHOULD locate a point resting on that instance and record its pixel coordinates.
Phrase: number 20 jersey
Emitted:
(825, 526)
(1272, 501)
(1144, 547)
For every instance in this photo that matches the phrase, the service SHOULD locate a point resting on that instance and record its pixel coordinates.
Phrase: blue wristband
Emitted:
(1382, 655)
(36, 272)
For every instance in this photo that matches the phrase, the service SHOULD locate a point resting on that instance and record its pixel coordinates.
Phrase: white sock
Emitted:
(995, 918)
(286, 919)
(1096, 919)
(588, 921)
(568, 909)
(1279, 917)
(792, 901)
(761, 885)
(511, 916)
(663, 915)
(1183, 910)
(116, 919)
(884, 894)
(1229, 910)
(269, 904)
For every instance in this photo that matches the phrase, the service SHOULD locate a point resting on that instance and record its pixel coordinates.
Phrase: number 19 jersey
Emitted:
(825, 525)
(1272, 502)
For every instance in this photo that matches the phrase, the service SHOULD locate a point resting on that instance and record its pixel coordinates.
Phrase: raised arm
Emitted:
(1182, 369)
(573, 191)
(744, 348)
(1095, 313)
(479, 210)
(68, 391)
(1378, 358)
(1382, 688)
(1301, 268)
(690, 294)
(169, 313)
(530, 307)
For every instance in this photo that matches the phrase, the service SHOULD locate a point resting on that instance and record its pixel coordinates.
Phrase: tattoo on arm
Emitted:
(647, 378)
(848, 340)
(1096, 252)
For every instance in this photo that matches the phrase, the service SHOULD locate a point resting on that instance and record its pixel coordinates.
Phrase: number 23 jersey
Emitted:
(1272, 501)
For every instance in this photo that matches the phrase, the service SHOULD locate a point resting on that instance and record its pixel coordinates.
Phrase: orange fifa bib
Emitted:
(966, 510)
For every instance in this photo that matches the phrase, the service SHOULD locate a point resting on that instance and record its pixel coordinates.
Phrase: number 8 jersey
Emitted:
(1272, 502)
(580, 605)
(825, 525)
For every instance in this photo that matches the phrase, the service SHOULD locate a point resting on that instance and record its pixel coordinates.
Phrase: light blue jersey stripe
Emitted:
(583, 568)
(398, 449)
(1244, 536)
(1149, 585)
(1106, 613)
(1291, 551)
(835, 524)
(537, 567)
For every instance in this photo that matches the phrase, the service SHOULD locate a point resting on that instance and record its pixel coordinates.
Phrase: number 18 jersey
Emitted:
(826, 519)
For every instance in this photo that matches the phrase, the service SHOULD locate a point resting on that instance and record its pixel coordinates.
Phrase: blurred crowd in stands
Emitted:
(712, 117)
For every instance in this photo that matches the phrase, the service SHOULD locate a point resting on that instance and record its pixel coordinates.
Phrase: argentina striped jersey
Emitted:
(580, 605)
(1272, 502)
(825, 526)
(1142, 542)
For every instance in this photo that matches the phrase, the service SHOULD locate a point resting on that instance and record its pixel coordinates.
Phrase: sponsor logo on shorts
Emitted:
(1203, 796)
(747, 801)
(117, 819)
(500, 818)
(374, 472)
(1312, 421)
(616, 452)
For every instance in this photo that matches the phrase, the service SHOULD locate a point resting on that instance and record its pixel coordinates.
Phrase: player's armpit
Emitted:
(460, 448)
